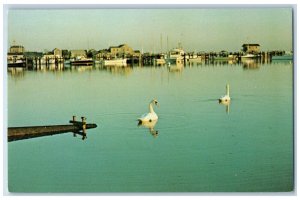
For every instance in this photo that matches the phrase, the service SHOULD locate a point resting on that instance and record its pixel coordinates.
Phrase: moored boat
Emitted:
(81, 61)
(249, 55)
(176, 56)
(283, 57)
(17, 63)
(225, 58)
(116, 62)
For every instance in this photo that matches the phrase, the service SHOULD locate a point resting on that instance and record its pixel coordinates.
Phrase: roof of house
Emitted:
(251, 45)
(14, 54)
(121, 45)
(16, 46)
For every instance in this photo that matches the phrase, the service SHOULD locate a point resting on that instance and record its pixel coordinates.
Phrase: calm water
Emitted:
(201, 145)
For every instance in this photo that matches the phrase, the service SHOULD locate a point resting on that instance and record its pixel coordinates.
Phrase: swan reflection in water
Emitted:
(150, 126)
(226, 104)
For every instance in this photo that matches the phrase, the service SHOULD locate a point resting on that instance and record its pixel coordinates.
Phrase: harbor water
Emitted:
(197, 144)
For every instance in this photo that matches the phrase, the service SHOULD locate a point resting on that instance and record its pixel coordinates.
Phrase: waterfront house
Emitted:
(122, 50)
(53, 56)
(17, 49)
(15, 56)
(78, 53)
(103, 54)
(57, 53)
(251, 48)
(136, 53)
(48, 58)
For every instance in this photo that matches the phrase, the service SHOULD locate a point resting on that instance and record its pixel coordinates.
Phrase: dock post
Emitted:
(74, 118)
(83, 127)
(39, 62)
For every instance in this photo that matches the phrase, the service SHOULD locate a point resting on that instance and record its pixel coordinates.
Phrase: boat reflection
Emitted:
(226, 104)
(175, 68)
(81, 68)
(250, 64)
(150, 126)
(16, 71)
(117, 70)
(223, 62)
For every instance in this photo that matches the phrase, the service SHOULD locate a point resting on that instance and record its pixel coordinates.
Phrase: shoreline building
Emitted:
(78, 53)
(122, 50)
(52, 57)
(16, 57)
(119, 52)
(251, 48)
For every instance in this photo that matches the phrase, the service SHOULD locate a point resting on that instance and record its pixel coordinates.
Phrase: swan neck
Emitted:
(227, 90)
(151, 108)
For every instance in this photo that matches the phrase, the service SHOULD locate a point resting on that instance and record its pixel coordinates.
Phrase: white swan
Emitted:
(151, 116)
(225, 98)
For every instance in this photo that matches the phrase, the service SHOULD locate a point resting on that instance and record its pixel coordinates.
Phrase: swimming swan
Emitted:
(225, 98)
(151, 116)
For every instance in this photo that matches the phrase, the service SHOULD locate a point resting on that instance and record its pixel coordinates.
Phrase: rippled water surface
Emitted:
(197, 145)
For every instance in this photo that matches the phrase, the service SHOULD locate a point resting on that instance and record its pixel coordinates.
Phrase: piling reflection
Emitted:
(51, 66)
(150, 126)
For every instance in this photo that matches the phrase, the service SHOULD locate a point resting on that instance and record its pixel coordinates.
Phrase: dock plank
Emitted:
(20, 133)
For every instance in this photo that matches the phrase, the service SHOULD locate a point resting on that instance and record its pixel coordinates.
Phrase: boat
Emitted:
(176, 56)
(196, 60)
(224, 58)
(283, 57)
(80, 60)
(160, 60)
(193, 58)
(249, 55)
(116, 62)
(16, 63)
(16, 60)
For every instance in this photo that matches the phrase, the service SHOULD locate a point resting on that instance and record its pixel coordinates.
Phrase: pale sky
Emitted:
(209, 29)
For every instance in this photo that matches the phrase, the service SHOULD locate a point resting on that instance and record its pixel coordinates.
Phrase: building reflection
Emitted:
(81, 68)
(116, 70)
(17, 72)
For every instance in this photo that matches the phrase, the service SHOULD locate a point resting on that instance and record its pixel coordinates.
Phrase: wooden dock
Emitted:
(21, 133)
